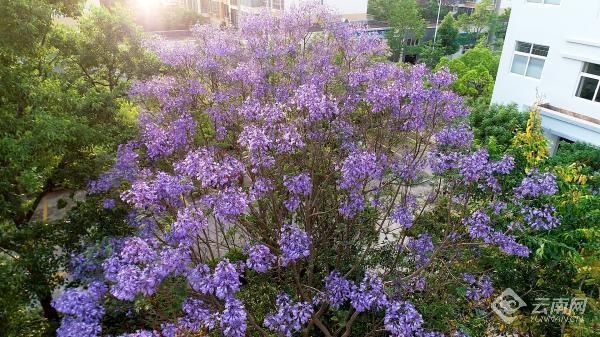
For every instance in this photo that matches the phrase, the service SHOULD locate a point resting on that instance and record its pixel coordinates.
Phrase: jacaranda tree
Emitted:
(289, 180)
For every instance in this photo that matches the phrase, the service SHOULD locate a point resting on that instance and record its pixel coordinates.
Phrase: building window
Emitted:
(254, 3)
(547, 2)
(529, 59)
(277, 4)
(589, 81)
(205, 6)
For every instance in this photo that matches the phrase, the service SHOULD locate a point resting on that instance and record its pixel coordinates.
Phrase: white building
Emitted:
(551, 57)
(229, 11)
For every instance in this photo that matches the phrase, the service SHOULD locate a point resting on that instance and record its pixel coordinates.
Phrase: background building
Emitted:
(551, 57)
(468, 6)
(227, 12)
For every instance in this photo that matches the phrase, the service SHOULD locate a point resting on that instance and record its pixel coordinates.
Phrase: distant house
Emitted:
(228, 12)
(551, 57)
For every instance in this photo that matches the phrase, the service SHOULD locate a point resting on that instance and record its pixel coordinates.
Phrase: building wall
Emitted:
(342, 7)
(572, 31)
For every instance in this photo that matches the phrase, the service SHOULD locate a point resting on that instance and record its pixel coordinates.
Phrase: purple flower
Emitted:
(475, 166)
(421, 248)
(82, 309)
(200, 279)
(479, 225)
(337, 289)
(536, 184)
(141, 265)
(358, 167)
(479, 289)
(540, 218)
(504, 165)
(294, 244)
(74, 327)
(212, 170)
(226, 280)
(164, 187)
(402, 319)
(228, 203)
(108, 203)
(509, 245)
(190, 222)
(260, 188)
(355, 202)
(141, 333)
(299, 184)
(260, 258)
(197, 314)
(459, 136)
(289, 316)
(233, 318)
(402, 216)
(369, 293)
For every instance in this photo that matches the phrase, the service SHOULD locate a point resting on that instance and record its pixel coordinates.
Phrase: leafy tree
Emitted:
(582, 153)
(429, 8)
(482, 20)
(447, 35)
(405, 20)
(64, 111)
(476, 71)
(430, 54)
(496, 124)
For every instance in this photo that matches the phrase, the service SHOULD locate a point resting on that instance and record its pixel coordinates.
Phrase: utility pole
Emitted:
(437, 22)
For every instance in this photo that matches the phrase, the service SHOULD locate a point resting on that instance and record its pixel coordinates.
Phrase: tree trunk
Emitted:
(49, 312)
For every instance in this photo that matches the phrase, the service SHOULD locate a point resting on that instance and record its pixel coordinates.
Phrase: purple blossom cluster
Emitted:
(224, 283)
(226, 280)
(141, 265)
(457, 136)
(540, 218)
(475, 167)
(210, 170)
(82, 309)
(141, 333)
(289, 317)
(368, 294)
(227, 204)
(298, 185)
(126, 168)
(233, 318)
(479, 227)
(337, 289)
(536, 184)
(197, 315)
(294, 244)
(190, 222)
(479, 289)
(403, 216)
(150, 193)
(421, 248)
(260, 258)
(402, 319)
(358, 167)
